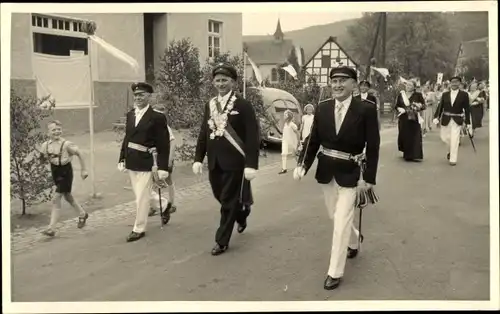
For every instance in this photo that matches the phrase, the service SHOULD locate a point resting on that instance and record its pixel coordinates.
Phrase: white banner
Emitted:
(439, 78)
(65, 78)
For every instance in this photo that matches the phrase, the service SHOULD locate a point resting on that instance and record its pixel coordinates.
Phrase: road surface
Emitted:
(427, 239)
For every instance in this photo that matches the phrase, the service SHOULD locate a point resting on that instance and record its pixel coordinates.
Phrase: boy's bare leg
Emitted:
(82, 214)
(54, 216)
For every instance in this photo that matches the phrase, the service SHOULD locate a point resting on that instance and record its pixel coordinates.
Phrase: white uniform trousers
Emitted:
(450, 134)
(142, 183)
(340, 203)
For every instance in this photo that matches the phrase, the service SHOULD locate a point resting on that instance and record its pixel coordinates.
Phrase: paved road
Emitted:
(427, 239)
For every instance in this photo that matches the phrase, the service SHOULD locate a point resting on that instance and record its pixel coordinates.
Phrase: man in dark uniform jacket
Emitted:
(145, 129)
(453, 110)
(229, 136)
(342, 128)
(364, 87)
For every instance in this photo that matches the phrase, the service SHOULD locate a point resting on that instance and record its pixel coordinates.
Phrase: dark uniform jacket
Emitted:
(219, 150)
(359, 129)
(370, 98)
(150, 132)
(461, 105)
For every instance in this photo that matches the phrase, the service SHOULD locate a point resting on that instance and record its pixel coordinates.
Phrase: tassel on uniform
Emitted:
(365, 197)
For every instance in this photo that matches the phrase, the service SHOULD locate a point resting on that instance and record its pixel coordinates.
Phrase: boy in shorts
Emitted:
(59, 153)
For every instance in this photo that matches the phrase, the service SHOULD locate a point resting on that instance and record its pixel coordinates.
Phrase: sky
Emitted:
(265, 23)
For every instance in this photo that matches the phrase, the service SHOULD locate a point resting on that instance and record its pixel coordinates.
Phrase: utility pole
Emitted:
(374, 45)
(384, 39)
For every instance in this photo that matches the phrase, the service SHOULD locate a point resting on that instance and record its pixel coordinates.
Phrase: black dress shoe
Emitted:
(448, 156)
(331, 283)
(165, 217)
(219, 249)
(351, 253)
(134, 236)
(241, 227)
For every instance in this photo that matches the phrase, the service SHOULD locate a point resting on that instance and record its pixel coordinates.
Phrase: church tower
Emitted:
(278, 34)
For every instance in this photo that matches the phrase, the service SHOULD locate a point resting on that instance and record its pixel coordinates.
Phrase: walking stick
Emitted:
(157, 182)
(363, 198)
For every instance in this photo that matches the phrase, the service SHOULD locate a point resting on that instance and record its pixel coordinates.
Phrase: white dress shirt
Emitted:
(364, 95)
(223, 100)
(453, 95)
(345, 106)
(139, 113)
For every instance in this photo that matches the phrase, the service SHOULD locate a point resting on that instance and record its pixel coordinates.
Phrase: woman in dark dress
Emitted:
(477, 99)
(409, 104)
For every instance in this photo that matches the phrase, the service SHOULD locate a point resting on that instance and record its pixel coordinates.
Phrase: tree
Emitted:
(178, 84)
(417, 44)
(30, 179)
(476, 68)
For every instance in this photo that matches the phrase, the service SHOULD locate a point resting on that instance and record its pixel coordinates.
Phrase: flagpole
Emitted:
(90, 29)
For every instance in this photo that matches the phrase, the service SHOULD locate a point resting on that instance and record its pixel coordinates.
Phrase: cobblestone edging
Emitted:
(25, 239)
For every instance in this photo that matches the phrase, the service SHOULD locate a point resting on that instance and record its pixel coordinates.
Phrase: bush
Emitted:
(30, 178)
(184, 87)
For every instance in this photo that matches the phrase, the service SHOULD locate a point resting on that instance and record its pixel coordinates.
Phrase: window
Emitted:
(274, 75)
(214, 38)
(325, 61)
(57, 35)
(58, 45)
(56, 23)
(282, 75)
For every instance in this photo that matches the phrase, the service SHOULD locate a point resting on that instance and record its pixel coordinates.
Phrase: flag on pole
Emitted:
(115, 52)
(298, 53)
(403, 80)
(256, 70)
(382, 71)
(289, 68)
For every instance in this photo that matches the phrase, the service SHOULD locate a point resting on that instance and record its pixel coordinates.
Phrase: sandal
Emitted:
(82, 221)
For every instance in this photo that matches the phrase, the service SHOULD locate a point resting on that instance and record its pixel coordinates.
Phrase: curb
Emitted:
(25, 239)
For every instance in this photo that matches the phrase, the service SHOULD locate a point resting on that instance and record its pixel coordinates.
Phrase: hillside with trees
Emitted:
(457, 26)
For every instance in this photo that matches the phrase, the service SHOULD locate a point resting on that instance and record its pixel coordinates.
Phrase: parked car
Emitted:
(277, 101)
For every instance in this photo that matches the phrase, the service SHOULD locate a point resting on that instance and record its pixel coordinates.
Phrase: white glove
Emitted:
(197, 167)
(435, 121)
(250, 174)
(469, 128)
(121, 167)
(162, 174)
(299, 173)
(401, 111)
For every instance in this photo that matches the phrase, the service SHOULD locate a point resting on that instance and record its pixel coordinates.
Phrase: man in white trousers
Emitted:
(342, 128)
(453, 110)
(145, 129)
